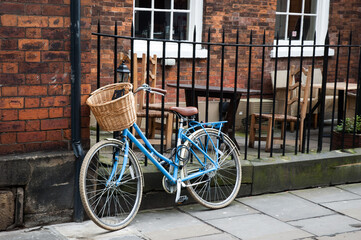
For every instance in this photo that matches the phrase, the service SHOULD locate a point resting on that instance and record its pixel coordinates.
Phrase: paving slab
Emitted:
(222, 236)
(285, 206)
(234, 209)
(343, 236)
(327, 225)
(355, 188)
(39, 233)
(170, 224)
(258, 226)
(350, 208)
(323, 195)
(88, 230)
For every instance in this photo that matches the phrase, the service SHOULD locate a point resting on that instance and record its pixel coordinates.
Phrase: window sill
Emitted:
(171, 50)
(296, 52)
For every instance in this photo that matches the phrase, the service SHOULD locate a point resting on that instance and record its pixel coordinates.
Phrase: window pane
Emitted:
(143, 3)
(162, 4)
(296, 6)
(280, 26)
(161, 25)
(181, 4)
(310, 6)
(281, 5)
(294, 26)
(180, 26)
(309, 27)
(142, 24)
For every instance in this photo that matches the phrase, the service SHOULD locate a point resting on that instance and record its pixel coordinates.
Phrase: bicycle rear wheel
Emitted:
(215, 189)
(109, 205)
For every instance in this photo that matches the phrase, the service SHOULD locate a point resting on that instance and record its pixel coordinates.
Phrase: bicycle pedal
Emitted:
(182, 199)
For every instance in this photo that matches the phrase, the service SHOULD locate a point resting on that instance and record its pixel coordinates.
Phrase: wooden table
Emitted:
(215, 92)
(340, 87)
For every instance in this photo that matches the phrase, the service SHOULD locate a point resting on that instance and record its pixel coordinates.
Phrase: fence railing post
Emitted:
(323, 94)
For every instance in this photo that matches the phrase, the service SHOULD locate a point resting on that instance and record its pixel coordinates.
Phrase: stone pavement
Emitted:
(319, 213)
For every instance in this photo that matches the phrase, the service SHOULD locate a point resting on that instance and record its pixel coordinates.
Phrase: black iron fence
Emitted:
(250, 70)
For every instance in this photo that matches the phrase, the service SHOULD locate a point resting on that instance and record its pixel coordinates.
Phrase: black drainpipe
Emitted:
(75, 102)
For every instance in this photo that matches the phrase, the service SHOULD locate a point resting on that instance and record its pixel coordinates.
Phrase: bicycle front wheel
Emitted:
(215, 189)
(110, 204)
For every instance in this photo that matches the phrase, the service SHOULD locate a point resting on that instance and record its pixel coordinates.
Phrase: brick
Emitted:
(10, 68)
(56, 112)
(52, 124)
(30, 114)
(6, 7)
(9, 115)
(8, 138)
(47, 102)
(55, 56)
(13, 126)
(55, 145)
(12, 32)
(67, 134)
(12, 102)
(51, 10)
(55, 90)
(32, 90)
(55, 1)
(33, 79)
(66, 89)
(9, 91)
(33, 33)
(56, 22)
(85, 133)
(56, 45)
(54, 135)
(31, 137)
(56, 67)
(32, 56)
(33, 67)
(32, 147)
(85, 112)
(67, 111)
(33, 21)
(33, 44)
(85, 89)
(33, 9)
(9, 44)
(60, 101)
(9, 20)
(67, 22)
(55, 33)
(31, 102)
(32, 125)
(12, 79)
(8, 149)
(11, 56)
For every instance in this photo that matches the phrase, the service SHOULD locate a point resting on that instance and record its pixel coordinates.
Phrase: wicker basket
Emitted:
(113, 115)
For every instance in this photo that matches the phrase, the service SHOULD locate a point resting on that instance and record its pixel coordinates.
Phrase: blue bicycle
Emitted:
(205, 161)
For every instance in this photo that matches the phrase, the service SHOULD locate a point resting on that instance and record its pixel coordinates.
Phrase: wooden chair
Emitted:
(155, 109)
(292, 99)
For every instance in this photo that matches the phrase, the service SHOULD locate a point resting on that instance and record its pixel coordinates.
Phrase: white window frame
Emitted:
(322, 15)
(195, 20)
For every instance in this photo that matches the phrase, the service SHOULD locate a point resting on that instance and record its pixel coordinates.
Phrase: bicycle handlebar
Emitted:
(146, 87)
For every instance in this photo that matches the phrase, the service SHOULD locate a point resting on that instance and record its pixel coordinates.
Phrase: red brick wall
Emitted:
(35, 75)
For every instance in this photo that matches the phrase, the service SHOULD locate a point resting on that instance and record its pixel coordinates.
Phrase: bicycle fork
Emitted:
(116, 154)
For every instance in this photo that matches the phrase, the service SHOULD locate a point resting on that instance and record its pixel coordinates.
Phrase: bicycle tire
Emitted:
(110, 207)
(219, 188)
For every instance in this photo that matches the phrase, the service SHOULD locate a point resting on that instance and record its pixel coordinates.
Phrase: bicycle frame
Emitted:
(182, 135)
